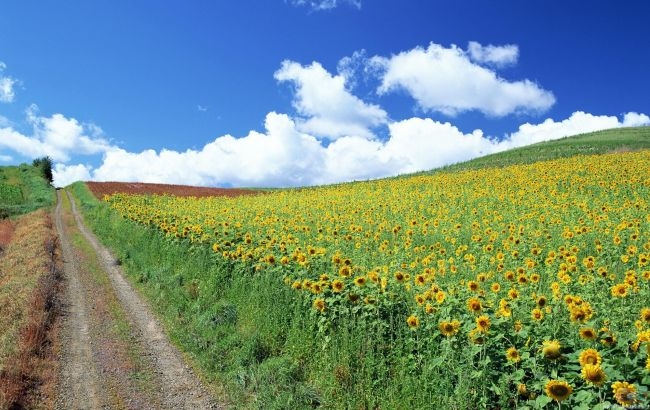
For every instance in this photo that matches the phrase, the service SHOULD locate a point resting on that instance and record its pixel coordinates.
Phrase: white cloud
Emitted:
(445, 80)
(319, 5)
(327, 108)
(65, 175)
(7, 93)
(6, 158)
(282, 155)
(633, 119)
(500, 56)
(56, 136)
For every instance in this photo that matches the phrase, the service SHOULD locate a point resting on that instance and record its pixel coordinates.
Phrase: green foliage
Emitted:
(23, 189)
(45, 165)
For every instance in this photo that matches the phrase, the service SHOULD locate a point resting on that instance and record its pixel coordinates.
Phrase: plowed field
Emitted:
(106, 188)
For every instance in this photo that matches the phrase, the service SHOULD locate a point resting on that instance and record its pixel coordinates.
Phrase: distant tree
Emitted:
(45, 164)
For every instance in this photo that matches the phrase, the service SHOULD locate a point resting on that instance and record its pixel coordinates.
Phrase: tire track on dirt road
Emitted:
(80, 385)
(176, 386)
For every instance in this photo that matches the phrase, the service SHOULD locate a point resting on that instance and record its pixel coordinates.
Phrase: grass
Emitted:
(23, 189)
(28, 297)
(271, 349)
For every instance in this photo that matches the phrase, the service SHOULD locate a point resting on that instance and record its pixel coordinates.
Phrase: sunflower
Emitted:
(513, 293)
(440, 297)
(645, 315)
(474, 305)
(590, 356)
(593, 374)
(319, 304)
(551, 349)
(537, 314)
(413, 321)
(473, 286)
(338, 285)
(345, 271)
(360, 281)
(496, 287)
(512, 354)
(541, 301)
(399, 276)
(449, 328)
(518, 326)
(558, 390)
(620, 290)
(522, 390)
(297, 285)
(420, 299)
(483, 323)
(588, 333)
(624, 393)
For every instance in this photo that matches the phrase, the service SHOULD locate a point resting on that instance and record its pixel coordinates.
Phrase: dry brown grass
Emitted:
(29, 285)
(6, 232)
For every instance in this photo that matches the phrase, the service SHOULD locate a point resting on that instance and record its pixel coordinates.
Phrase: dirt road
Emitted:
(115, 354)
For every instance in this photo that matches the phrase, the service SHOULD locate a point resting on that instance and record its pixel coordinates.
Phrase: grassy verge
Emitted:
(22, 190)
(29, 273)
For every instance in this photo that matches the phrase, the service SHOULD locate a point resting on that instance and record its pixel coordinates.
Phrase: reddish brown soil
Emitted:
(6, 232)
(106, 188)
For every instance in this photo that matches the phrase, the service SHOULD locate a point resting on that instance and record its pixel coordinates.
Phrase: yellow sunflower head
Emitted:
(558, 390)
(588, 333)
(413, 321)
(483, 323)
(551, 349)
(624, 393)
(512, 354)
(593, 374)
(590, 356)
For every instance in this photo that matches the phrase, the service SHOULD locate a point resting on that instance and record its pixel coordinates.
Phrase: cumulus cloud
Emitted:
(326, 108)
(282, 155)
(64, 175)
(56, 136)
(318, 5)
(7, 93)
(497, 55)
(446, 80)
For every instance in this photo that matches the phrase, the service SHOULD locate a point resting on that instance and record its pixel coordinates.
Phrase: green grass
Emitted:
(23, 189)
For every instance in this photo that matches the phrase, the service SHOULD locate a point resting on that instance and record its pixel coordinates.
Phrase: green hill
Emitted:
(599, 142)
(23, 189)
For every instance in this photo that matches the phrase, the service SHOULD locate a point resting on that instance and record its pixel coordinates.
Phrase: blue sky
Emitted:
(303, 92)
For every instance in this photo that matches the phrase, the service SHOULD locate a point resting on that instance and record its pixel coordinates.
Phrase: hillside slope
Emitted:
(23, 189)
(599, 142)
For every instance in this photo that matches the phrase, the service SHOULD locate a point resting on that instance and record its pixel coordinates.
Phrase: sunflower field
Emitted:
(526, 286)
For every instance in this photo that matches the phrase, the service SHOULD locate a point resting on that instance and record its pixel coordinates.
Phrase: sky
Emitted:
(279, 93)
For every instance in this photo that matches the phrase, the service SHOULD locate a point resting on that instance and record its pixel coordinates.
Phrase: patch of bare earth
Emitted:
(99, 189)
(115, 353)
